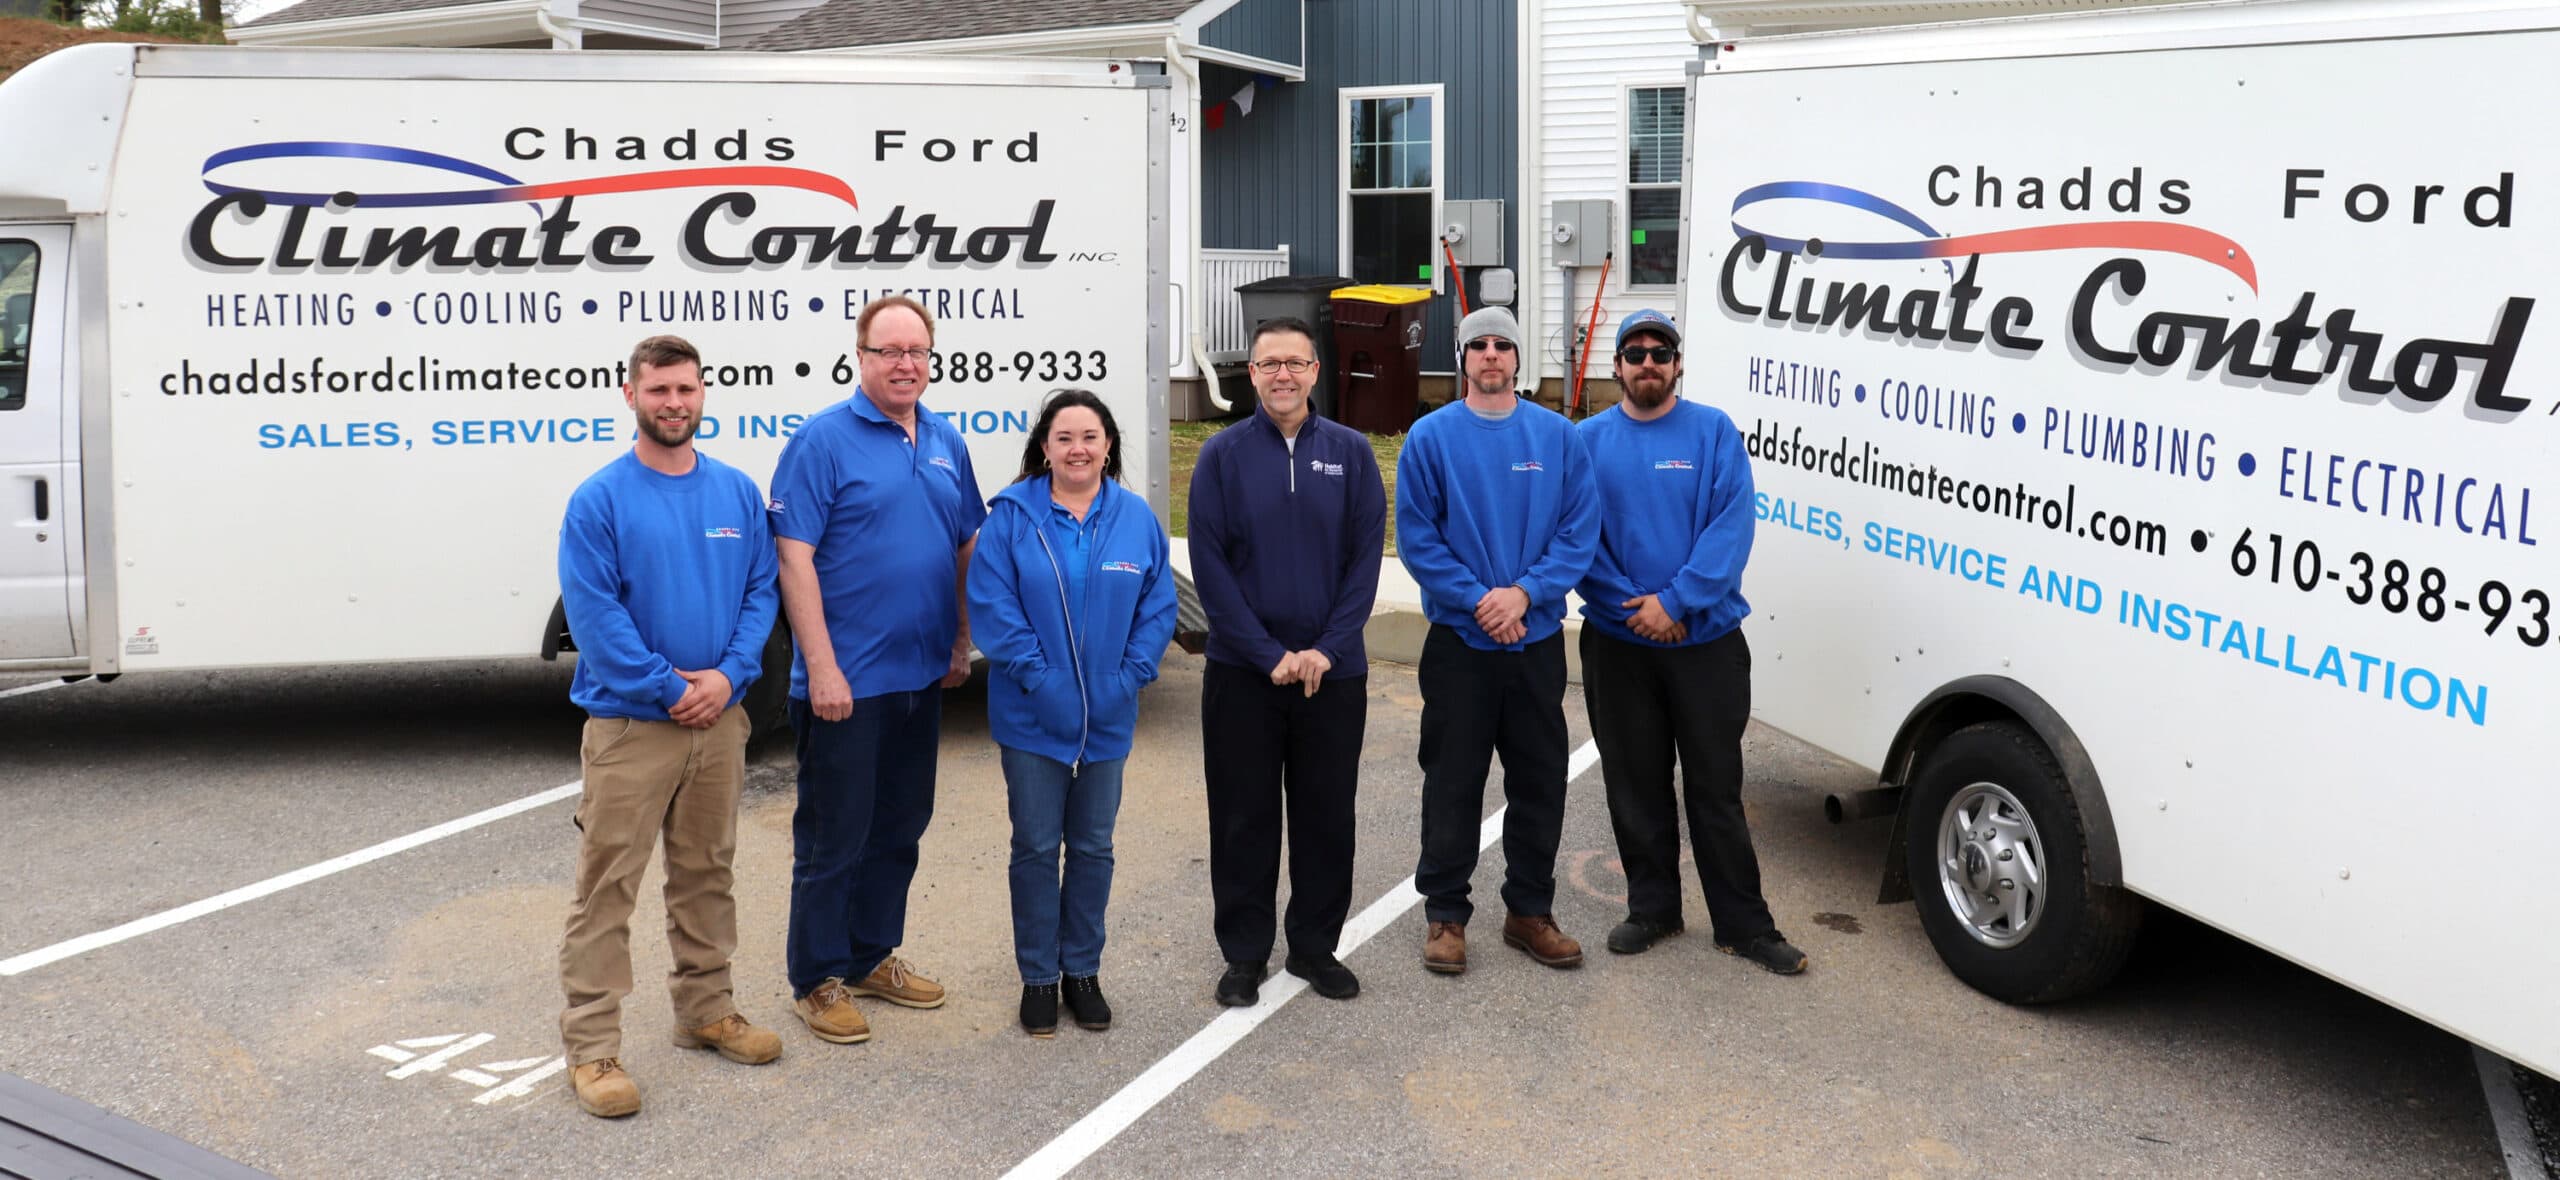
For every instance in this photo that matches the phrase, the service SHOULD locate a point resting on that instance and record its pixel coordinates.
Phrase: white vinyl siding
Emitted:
(1594, 55)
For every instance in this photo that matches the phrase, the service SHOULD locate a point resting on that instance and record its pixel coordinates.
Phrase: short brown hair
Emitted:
(661, 351)
(862, 322)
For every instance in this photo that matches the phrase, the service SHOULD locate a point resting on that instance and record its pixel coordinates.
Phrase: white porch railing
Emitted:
(1221, 272)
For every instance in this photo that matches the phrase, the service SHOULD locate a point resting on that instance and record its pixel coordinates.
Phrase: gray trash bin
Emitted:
(1306, 297)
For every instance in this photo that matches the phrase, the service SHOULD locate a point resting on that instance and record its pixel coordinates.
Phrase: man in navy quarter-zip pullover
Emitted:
(1288, 526)
(1664, 668)
(1497, 519)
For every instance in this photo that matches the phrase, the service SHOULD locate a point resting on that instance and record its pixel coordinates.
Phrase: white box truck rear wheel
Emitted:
(1999, 866)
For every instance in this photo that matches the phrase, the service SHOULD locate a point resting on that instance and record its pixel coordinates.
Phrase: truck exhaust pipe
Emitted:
(1874, 802)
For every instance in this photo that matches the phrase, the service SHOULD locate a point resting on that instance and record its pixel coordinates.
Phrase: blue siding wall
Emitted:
(1267, 29)
(1276, 175)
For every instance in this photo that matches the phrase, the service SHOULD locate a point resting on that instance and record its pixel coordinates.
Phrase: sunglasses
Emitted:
(1482, 343)
(1637, 354)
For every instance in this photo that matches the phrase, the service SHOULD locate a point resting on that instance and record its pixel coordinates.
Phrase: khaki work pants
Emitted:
(645, 779)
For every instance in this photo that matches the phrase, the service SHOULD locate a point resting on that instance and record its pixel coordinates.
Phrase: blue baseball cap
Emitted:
(1648, 320)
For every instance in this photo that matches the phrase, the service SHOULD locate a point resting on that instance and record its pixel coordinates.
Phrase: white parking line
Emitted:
(2506, 1113)
(39, 686)
(1116, 1113)
(302, 876)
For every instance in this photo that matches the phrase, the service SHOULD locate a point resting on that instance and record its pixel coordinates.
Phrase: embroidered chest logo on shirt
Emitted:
(723, 534)
(1120, 567)
(941, 462)
(1321, 467)
(1528, 465)
(1674, 465)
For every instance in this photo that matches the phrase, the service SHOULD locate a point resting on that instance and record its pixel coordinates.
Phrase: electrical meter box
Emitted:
(1579, 231)
(1473, 230)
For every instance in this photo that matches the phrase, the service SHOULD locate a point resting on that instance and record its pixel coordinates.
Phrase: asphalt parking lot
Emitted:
(399, 1017)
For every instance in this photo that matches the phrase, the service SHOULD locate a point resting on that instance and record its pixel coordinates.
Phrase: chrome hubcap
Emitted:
(1991, 865)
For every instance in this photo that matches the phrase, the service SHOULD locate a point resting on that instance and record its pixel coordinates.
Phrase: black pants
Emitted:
(1264, 747)
(1648, 703)
(1476, 704)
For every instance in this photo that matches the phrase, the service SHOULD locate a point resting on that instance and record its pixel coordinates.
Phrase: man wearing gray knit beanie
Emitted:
(1497, 517)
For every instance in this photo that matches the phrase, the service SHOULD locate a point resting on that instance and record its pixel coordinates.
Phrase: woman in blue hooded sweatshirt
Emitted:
(1071, 599)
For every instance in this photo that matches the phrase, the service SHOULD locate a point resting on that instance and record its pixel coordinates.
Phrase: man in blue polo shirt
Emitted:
(1496, 518)
(875, 508)
(1664, 668)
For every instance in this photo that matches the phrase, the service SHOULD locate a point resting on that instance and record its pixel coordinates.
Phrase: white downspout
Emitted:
(1530, 292)
(563, 36)
(1192, 296)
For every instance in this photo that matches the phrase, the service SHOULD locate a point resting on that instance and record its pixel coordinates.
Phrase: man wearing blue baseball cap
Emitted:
(1666, 674)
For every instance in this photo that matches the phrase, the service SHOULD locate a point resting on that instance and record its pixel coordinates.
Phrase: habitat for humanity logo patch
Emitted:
(1323, 468)
(1120, 567)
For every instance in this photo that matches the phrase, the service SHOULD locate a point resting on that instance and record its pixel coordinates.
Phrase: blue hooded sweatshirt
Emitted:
(1073, 618)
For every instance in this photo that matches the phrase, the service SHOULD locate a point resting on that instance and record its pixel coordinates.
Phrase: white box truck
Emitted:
(302, 351)
(2152, 417)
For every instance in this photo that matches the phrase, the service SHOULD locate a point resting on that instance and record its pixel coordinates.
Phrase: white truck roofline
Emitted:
(2126, 30)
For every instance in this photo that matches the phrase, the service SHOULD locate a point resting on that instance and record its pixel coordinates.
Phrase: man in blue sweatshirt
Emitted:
(1497, 519)
(668, 581)
(1288, 525)
(1664, 668)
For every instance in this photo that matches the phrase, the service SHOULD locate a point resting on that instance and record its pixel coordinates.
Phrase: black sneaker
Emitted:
(1635, 936)
(1772, 951)
(1085, 1002)
(1040, 1009)
(1241, 986)
(1326, 974)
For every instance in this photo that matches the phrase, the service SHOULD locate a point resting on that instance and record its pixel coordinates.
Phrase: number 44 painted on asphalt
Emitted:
(425, 1055)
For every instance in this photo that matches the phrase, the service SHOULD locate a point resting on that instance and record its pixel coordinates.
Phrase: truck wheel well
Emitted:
(1976, 699)
(555, 633)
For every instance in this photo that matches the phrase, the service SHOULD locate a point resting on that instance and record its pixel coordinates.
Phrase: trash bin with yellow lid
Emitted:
(1377, 334)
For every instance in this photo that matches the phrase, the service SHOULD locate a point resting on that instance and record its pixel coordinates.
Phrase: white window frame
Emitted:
(1438, 95)
(1627, 182)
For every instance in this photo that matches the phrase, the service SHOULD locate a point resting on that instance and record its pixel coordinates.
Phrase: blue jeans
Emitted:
(1057, 919)
(866, 795)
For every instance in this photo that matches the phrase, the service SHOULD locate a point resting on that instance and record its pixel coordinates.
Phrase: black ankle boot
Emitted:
(1085, 1002)
(1040, 1009)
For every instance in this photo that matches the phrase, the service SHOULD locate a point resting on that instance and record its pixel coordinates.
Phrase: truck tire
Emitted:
(1999, 867)
(768, 702)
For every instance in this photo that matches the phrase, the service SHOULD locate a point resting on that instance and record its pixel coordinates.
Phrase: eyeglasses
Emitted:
(891, 356)
(1481, 343)
(1273, 365)
(1637, 354)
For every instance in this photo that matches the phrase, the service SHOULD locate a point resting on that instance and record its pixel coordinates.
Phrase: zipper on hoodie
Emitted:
(1075, 647)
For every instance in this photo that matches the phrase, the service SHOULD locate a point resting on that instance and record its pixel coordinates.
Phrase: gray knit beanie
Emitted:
(1491, 321)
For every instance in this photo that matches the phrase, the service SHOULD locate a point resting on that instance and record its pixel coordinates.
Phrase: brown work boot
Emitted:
(605, 1089)
(736, 1040)
(828, 1011)
(1537, 935)
(898, 983)
(1445, 949)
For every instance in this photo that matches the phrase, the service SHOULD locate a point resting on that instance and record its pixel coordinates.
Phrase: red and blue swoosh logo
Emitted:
(501, 188)
(2164, 236)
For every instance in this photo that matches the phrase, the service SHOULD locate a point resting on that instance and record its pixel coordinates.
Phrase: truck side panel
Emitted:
(2208, 393)
(344, 430)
